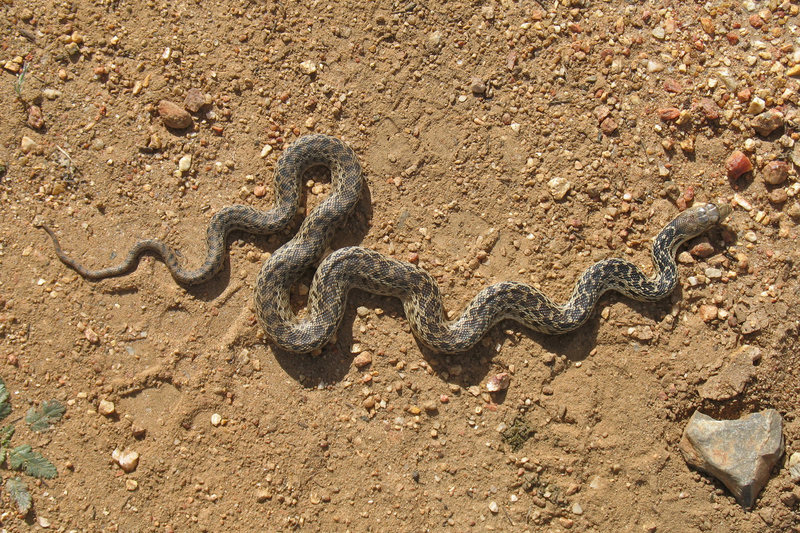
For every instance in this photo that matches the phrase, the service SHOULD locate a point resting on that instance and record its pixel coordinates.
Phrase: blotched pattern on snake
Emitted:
(359, 267)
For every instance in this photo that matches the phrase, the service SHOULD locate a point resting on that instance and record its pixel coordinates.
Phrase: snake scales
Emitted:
(351, 267)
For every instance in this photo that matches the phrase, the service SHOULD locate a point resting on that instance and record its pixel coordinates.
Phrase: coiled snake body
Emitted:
(359, 267)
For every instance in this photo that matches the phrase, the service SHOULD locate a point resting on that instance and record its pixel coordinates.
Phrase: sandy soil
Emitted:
(500, 140)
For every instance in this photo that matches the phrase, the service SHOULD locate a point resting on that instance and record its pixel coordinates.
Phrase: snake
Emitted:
(359, 267)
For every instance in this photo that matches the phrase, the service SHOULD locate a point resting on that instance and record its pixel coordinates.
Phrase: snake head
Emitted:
(699, 218)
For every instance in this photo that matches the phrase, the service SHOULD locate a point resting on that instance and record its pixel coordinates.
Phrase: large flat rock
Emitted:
(740, 453)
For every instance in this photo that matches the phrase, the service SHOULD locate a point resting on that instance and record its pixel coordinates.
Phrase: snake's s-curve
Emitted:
(358, 267)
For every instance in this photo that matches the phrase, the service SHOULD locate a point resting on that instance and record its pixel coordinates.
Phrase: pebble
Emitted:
(731, 380)
(794, 467)
(609, 126)
(434, 40)
(430, 406)
(756, 106)
(654, 66)
(778, 196)
(477, 86)
(708, 25)
(737, 165)
(363, 359)
(308, 67)
(775, 172)
(194, 100)
(702, 249)
(27, 145)
(173, 115)
(709, 108)
(713, 273)
(559, 187)
(51, 94)
(91, 336)
(128, 460)
(707, 312)
(106, 408)
(131, 485)
(669, 113)
(767, 122)
(498, 382)
(43, 522)
(185, 163)
(740, 453)
(659, 33)
(265, 151)
(493, 507)
(577, 509)
(601, 112)
(672, 86)
(263, 495)
(216, 419)
(35, 117)
(742, 202)
(13, 66)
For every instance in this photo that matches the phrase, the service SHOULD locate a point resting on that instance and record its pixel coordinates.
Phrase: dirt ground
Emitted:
(501, 140)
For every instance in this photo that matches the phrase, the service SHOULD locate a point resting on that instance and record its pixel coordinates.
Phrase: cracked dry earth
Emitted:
(500, 140)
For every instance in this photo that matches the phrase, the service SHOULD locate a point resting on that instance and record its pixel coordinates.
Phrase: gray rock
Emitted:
(740, 453)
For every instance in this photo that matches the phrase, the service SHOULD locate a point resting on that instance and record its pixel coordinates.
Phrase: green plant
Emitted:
(23, 458)
(20, 81)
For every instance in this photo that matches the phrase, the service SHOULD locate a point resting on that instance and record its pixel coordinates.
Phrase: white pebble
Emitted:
(185, 163)
(308, 67)
(739, 200)
(106, 408)
(127, 460)
(794, 467)
(51, 94)
(559, 187)
(216, 419)
(493, 507)
(756, 106)
(27, 144)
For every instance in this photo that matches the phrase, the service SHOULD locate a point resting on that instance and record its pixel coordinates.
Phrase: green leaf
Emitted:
(5, 407)
(5, 436)
(3, 391)
(34, 464)
(19, 493)
(49, 412)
